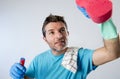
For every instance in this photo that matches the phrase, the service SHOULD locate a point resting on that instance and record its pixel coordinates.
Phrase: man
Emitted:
(53, 63)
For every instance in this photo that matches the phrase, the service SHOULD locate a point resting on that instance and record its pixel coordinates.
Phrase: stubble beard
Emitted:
(62, 49)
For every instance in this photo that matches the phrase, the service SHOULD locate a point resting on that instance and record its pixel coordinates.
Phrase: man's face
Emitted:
(56, 36)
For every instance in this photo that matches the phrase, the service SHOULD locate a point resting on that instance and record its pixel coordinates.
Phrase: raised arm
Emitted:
(111, 48)
(119, 39)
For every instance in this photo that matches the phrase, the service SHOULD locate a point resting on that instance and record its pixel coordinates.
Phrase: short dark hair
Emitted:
(52, 18)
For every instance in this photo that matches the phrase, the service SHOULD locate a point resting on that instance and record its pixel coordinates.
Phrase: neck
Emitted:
(59, 52)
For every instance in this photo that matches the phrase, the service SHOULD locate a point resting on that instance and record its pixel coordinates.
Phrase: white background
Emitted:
(21, 36)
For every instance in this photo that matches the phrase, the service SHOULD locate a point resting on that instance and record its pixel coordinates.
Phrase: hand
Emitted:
(98, 10)
(17, 71)
(83, 11)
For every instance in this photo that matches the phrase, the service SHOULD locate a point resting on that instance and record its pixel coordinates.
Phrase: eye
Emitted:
(62, 30)
(51, 33)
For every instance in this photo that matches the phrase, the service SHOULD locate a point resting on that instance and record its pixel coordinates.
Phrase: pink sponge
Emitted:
(98, 10)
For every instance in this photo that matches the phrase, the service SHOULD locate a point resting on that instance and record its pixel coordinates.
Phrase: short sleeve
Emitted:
(85, 63)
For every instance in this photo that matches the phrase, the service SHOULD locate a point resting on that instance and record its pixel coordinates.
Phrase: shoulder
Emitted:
(41, 55)
(84, 52)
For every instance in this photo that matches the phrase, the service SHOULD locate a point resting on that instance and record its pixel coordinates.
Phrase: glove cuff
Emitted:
(108, 30)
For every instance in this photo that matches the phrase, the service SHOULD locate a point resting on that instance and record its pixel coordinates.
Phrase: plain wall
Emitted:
(21, 36)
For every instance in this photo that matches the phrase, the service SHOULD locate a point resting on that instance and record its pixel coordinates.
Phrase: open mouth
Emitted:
(60, 43)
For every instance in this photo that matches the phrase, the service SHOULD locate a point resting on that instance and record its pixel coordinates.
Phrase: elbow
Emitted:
(117, 54)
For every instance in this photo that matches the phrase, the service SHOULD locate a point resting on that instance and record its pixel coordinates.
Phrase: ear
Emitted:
(68, 33)
(44, 38)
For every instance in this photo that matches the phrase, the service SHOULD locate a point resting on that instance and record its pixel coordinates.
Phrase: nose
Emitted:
(59, 35)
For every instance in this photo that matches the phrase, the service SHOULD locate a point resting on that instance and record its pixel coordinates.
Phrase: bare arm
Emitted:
(111, 48)
(109, 52)
(119, 39)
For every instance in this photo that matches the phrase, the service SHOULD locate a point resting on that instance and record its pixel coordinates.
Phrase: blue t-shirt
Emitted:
(48, 66)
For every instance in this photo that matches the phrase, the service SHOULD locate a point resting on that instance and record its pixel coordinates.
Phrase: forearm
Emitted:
(111, 38)
(119, 44)
(113, 47)
(110, 51)
(119, 39)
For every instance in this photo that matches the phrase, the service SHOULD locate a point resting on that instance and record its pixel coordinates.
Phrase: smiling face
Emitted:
(56, 36)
